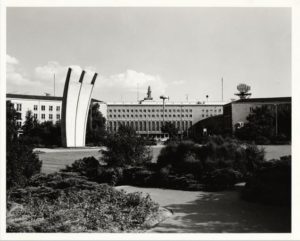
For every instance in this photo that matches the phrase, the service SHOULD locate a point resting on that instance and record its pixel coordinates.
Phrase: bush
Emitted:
(217, 153)
(270, 184)
(88, 166)
(221, 179)
(72, 207)
(125, 148)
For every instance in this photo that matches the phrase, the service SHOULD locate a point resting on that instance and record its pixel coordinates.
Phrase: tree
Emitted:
(21, 162)
(261, 124)
(170, 128)
(95, 132)
(11, 123)
(125, 148)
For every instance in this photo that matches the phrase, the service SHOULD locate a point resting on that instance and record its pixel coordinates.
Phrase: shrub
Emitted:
(88, 166)
(74, 208)
(217, 153)
(221, 179)
(271, 183)
(125, 148)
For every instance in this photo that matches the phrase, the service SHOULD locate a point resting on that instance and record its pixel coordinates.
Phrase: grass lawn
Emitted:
(54, 161)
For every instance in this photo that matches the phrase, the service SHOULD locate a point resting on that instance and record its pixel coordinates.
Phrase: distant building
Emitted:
(146, 117)
(44, 108)
(236, 112)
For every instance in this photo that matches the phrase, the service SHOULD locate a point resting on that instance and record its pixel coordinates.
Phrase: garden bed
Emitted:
(66, 202)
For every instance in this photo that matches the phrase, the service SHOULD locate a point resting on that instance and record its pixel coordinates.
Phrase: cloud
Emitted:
(15, 77)
(178, 82)
(128, 82)
(11, 60)
(107, 88)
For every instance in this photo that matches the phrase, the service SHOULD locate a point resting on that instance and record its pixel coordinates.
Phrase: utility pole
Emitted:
(276, 120)
(222, 89)
(54, 85)
(181, 126)
(163, 97)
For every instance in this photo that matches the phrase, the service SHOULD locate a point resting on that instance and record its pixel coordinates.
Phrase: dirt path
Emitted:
(203, 212)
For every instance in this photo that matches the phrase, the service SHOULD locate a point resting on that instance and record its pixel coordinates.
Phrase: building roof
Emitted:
(271, 99)
(34, 97)
(41, 97)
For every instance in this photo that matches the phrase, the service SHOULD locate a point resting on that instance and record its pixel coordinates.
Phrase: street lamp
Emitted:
(163, 97)
(276, 119)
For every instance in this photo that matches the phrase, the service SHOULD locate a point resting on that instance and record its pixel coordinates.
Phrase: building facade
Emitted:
(235, 113)
(43, 108)
(147, 117)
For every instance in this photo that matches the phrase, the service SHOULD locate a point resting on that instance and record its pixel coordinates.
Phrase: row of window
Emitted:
(215, 110)
(35, 107)
(153, 110)
(43, 116)
(145, 116)
(147, 125)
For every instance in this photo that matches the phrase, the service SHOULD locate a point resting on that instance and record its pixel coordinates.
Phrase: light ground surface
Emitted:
(204, 212)
(56, 159)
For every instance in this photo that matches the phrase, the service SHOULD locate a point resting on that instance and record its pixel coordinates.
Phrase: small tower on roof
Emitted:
(149, 97)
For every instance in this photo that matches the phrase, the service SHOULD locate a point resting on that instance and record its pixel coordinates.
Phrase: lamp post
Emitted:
(276, 119)
(163, 97)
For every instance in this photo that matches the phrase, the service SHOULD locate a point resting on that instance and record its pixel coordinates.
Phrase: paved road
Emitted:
(204, 212)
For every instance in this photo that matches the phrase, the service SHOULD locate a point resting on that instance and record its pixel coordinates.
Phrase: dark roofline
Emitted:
(270, 99)
(33, 97)
(41, 97)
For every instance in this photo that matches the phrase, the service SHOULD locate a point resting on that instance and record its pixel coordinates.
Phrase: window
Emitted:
(35, 116)
(191, 110)
(127, 110)
(35, 107)
(19, 124)
(43, 108)
(58, 116)
(58, 108)
(50, 107)
(50, 116)
(19, 107)
(43, 116)
(202, 115)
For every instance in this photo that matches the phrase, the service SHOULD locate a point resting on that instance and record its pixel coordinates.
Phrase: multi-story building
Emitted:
(236, 112)
(43, 108)
(148, 116)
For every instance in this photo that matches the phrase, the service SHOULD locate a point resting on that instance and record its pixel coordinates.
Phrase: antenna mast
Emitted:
(54, 84)
(222, 89)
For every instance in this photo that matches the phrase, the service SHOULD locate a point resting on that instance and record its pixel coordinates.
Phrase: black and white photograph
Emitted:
(147, 120)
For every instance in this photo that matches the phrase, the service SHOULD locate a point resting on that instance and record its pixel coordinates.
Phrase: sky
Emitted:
(180, 52)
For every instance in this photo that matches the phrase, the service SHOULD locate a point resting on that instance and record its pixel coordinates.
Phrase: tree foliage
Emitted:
(170, 129)
(125, 148)
(96, 131)
(21, 162)
(40, 134)
(261, 124)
